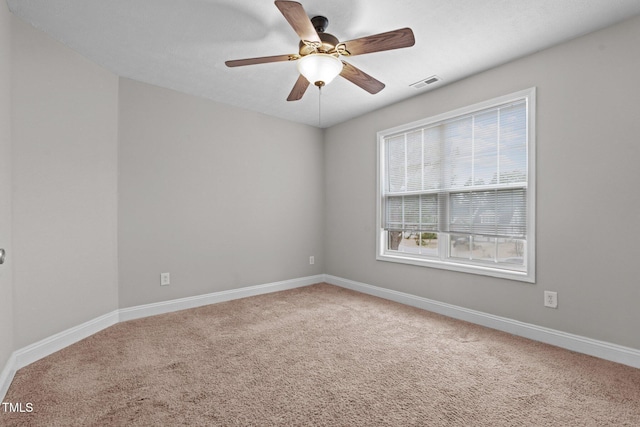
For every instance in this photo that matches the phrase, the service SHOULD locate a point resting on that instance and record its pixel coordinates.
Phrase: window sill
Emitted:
(521, 276)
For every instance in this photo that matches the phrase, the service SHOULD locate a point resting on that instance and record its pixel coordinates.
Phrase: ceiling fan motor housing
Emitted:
(320, 23)
(329, 42)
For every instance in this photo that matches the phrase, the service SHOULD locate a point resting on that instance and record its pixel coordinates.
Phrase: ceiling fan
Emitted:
(318, 52)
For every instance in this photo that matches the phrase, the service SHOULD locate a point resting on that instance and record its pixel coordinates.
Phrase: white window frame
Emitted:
(526, 272)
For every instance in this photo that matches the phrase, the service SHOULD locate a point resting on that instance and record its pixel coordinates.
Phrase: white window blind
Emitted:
(467, 174)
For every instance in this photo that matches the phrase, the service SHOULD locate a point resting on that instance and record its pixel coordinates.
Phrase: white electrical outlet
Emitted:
(550, 299)
(312, 260)
(165, 279)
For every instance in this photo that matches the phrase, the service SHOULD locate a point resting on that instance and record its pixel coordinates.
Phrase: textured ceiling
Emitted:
(182, 44)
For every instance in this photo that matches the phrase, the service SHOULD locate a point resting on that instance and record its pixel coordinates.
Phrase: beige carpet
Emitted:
(319, 355)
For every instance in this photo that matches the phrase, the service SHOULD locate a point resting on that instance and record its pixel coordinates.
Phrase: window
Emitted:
(456, 191)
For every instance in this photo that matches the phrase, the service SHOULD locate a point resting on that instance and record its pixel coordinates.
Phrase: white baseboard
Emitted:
(604, 350)
(215, 297)
(6, 376)
(45, 347)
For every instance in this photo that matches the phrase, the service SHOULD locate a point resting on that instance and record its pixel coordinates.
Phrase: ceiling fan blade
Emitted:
(298, 89)
(296, 16)
(384, 41)
(261, 60)
(360, 78)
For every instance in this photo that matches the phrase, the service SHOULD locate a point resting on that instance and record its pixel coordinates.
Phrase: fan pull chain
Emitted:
(319, 106)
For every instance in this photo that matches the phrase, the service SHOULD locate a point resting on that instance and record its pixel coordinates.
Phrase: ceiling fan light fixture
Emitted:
(319, 68)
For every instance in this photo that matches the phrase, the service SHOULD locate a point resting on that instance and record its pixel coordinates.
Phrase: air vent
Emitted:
(425, 82)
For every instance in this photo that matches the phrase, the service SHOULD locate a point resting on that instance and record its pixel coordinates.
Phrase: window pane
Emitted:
(396, 170)
(485, 147)
(411, 212)
(511, 251)
(429, 212)
(513, 144)
(487, 249)
(394, 213)
(460, 246)
(414, 243)
(407, 244)
(414, 161)
(513, 167)
(427, 243)
(432, 163)
(393, 240)
(511, 212)
(458, 152)
(513, 127)
(460, 213)
(484, 218)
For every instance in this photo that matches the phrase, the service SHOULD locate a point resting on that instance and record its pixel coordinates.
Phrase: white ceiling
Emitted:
(182, 44)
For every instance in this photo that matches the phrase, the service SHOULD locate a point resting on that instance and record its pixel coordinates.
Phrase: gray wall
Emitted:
(219, 197)
(65, 127)
(6, 282)
(588, 203)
